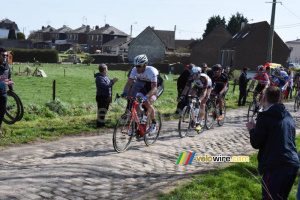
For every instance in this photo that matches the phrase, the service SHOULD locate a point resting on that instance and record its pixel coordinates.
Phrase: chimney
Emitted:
(88, 28)
(106, 25)
(243, 24)
(64, 26)
(152, 27)
(43, 27)
(97, 27)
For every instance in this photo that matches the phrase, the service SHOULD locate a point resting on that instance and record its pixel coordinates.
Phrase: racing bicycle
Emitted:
(130, 124)
(254, 105)
(213, 110)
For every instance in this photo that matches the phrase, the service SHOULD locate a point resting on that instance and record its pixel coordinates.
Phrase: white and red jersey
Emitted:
(149, 75)
(262, 80)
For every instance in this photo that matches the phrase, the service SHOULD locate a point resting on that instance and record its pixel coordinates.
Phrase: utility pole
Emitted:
(271, 33)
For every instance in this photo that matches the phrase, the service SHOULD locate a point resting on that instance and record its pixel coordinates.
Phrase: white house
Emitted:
(295, 51)
(5, 26)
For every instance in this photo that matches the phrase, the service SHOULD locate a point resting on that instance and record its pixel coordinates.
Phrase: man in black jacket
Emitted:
(243, 80)
(181, 82)
(274, 136)
(5, 79)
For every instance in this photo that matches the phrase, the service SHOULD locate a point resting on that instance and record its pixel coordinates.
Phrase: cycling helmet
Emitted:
(276, 70)
(196, 70)
(140, 60)
(260, 68)
(217, 67)
(190, 66)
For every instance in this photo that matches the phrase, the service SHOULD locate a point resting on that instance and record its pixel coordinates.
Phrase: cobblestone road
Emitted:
(89, 168)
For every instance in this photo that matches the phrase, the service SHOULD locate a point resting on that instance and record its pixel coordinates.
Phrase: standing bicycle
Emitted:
(135, 122)
(201, 83)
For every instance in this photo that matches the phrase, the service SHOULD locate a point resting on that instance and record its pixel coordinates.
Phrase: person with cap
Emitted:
(243, 81)
(181, 82)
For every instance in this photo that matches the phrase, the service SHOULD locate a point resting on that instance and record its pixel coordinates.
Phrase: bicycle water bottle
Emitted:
(143, 119)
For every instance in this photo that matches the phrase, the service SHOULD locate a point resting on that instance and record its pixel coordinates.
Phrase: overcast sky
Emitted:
(189, 16)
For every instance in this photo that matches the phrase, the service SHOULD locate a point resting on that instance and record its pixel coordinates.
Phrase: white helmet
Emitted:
(140, 60)
(196, 70)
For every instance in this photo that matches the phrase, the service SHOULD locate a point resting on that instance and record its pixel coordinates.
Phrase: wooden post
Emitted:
(64, 72)
(234, 85)
(53, 94)
(19, 70)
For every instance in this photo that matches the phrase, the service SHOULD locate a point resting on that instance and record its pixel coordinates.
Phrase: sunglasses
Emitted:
(139, 66)
(4, 55)
(216, 71)
(195, 74)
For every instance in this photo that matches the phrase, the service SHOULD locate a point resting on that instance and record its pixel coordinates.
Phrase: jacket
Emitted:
(103, 84)
(243, 81)
(274, 136)
(5, 71)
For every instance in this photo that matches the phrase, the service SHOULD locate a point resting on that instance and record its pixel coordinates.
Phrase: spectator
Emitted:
(5, 79)
(181, 82)
(204, 68)
(103, 97)
(243, 81)
(274, 135)
(227, 72)
(289, 90)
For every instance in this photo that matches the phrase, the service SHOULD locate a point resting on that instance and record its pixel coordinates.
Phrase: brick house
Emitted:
(116, 46)
(248, 48)
(153, 43)
(79, 35)
(100, 36)
(61, 33)
(44, 34)
(5, 26)
(207, 50)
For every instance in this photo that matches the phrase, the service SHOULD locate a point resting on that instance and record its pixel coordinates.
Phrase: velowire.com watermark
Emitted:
(188, 157)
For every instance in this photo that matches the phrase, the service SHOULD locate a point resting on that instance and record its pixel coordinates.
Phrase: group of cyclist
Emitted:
(144, 81)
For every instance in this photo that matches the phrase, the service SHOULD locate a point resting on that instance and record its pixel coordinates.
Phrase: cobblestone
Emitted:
(89, 168)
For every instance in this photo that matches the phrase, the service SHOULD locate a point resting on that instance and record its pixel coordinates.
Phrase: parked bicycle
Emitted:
(14, 108)
(213, 110)
(254, 105)
(132, 123)
(189, 117)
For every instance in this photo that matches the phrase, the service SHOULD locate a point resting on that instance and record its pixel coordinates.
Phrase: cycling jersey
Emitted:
(219, 82)
(143, 83)
(262, 80)
(209, 83)
(297, 78)
(281, 78)
(149, 75)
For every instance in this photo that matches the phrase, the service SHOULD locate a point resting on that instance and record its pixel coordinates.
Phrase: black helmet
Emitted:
(217, 67)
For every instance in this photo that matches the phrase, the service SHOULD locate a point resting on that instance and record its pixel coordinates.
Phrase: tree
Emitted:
(20, 36)
(12, 34)
(235, 22)
(212, 23)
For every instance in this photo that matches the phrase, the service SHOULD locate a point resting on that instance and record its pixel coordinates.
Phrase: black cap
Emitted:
(217, 67)
(245, 68)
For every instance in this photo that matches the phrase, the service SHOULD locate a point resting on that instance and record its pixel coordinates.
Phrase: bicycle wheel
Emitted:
(210, 115)
(123, 133)
(12, 112)
(184, 124)
(221, 122)
(251, 110)
(150, 139)
(20, 117)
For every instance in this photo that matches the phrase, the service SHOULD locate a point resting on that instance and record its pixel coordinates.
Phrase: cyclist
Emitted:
(201, 83)
(297, 83)
(263, 82)
(280, 79)
(220, 84)
(148, 85)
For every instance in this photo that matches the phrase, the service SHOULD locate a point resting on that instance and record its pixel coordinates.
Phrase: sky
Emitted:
(189, 16)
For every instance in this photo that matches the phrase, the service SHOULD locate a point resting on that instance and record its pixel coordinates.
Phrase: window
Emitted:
(234, 35)
(246, 34)
(291, 48)
(74, 37)
(97, 37)
(92, 37)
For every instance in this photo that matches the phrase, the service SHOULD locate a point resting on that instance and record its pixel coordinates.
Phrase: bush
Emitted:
(88, 59)
(236, 74)
(32, 55)
(58, 107)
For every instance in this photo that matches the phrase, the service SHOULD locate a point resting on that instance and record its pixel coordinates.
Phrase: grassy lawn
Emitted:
(237, 181)
(75, 107)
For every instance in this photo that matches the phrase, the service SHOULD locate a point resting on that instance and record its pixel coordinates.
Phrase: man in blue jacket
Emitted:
(103, 97)
(274, 135)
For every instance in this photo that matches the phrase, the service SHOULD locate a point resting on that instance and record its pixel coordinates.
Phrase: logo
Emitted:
(186, 158)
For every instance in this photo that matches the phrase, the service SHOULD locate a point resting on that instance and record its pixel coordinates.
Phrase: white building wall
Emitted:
(295, 51)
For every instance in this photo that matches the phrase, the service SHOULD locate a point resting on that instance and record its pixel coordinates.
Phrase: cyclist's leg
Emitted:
(203, 99)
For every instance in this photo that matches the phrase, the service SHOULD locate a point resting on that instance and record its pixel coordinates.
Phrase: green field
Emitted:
(74, 110)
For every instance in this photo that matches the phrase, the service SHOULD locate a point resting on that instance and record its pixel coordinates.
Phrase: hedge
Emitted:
(31, 55)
